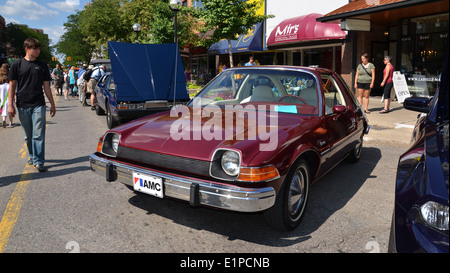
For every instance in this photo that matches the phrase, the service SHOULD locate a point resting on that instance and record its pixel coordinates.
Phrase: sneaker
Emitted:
(30, 161)
(4, 124)
(40, 168)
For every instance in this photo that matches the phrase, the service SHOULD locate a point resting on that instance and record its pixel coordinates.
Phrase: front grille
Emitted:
(176, 163)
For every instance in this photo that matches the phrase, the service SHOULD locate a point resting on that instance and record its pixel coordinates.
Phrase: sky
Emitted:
(49, 15)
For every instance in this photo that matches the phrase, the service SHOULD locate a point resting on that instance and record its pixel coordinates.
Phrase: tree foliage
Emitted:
(156, 20)
(112, 20)
(227, 19)
(73, 42)
(16, 34)
(101, 22)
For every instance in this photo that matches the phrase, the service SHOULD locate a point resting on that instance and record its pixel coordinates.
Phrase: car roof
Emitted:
(281, 67)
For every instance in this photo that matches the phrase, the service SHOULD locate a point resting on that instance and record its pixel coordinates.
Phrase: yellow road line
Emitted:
(13, 208)
(12, 211)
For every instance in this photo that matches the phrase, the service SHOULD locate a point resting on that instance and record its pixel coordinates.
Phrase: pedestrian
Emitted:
(80, 83)
(4, 88)
(387, 82)
(66, 84)
(251, 62)
(187, 74)
(364, 79)
(97, 73)
(31, 78)
(57, 74)
(72, 81)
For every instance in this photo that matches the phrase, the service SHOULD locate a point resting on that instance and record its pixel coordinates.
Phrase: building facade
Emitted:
(413, 32)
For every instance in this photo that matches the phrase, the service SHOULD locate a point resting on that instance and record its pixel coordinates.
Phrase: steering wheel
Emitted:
(292, 99)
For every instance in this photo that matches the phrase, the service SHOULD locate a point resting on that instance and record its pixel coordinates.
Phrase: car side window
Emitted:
(332, 93)
(110, 84)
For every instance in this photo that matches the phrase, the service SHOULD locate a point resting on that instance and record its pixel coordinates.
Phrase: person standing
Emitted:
(387, 82)
(57, 74)
(251, 62)
(364, 80)
(66, 84)
(31, 78)
(80, 83)
(72, 81)
(97, 73)
(4, 89)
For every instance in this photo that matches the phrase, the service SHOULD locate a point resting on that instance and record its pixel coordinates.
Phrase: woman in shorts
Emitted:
(364, 79)
(387, 83)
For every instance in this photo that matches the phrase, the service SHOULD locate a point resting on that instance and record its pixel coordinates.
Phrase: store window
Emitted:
(423, 45)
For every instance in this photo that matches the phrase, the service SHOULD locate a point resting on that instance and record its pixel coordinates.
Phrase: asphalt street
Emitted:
(71, 209)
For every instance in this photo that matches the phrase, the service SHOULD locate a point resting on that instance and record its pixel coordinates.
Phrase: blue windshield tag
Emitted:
(286, 109)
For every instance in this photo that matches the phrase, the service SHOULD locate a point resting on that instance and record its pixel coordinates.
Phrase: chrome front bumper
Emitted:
(196, 191)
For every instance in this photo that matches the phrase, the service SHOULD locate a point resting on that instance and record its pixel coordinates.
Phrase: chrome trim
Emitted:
(211, 194)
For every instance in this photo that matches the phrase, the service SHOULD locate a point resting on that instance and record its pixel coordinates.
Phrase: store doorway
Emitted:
(378, 52)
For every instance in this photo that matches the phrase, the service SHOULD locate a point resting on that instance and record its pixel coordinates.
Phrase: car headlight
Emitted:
(110, 144)
(231, 162)
(115, 142)
(435, 215)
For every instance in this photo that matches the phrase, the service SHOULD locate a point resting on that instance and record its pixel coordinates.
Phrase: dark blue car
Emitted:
(145, 79)
(420, 221)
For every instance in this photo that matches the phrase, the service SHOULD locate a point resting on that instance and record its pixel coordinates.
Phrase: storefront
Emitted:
(413, 32)
(306, 42)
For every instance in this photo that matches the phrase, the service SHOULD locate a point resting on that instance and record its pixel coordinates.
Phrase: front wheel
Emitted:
(111, 122)
(355, 154)
(288, 210)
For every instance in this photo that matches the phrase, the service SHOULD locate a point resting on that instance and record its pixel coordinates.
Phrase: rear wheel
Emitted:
(290, 205)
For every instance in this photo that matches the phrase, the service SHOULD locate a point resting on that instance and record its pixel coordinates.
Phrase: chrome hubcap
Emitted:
(297, 194)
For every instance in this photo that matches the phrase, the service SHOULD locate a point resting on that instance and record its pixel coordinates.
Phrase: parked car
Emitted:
(252, 140)
(420, 218)
(99, 62)
(140, 88)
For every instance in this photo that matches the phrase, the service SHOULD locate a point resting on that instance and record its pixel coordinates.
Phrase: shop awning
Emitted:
(304, 29)
(252, 41)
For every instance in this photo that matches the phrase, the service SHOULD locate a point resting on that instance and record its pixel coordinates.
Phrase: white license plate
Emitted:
(148, 184)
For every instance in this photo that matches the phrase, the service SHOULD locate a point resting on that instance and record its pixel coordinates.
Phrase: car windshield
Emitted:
(286, 91)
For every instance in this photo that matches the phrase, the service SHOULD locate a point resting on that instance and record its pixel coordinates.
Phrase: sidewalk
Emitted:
(394, 128)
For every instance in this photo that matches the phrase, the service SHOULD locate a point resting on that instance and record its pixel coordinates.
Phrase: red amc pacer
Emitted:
(254, 139)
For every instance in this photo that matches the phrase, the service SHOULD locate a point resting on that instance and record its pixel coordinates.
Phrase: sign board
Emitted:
(355, 25)
(400, 86)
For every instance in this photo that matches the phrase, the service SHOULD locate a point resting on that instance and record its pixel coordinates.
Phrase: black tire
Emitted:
(289, 208)
(355, 154)
(111, 122)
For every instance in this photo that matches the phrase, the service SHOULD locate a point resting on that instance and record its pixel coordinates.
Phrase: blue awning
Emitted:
(252, 41)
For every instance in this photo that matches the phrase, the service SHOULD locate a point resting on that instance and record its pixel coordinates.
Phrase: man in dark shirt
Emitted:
(29, 75)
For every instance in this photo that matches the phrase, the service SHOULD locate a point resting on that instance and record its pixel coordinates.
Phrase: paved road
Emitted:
(69, 208)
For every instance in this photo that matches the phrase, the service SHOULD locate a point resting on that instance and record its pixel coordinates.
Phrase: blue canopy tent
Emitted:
(252, 41)
(147, 72)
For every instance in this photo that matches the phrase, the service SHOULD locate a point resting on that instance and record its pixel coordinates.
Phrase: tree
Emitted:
(228, 19)
(73, 42)
(156, 20)
(16, 34)
(101, 22)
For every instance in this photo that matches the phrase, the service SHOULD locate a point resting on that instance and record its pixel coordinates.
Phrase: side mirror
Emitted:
(339, 109)
(417, 104)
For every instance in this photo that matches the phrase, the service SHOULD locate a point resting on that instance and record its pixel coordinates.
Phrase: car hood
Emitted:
(158, 133)
(152, 76)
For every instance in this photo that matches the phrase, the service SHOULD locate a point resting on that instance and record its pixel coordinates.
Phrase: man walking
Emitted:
(29, 75)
